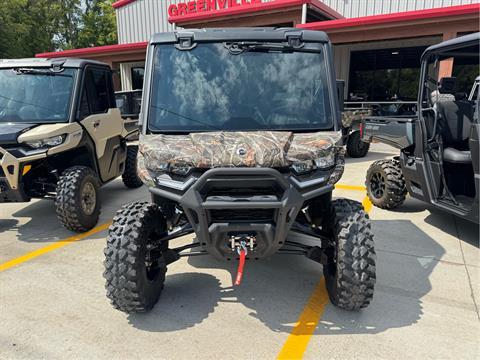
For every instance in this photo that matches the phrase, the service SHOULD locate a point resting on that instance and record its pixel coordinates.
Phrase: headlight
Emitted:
(47, 143)
(303, 167)
(323, 163)
(176, 169)
(180, 169)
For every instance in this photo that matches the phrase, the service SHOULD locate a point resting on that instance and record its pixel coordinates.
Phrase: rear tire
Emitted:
(356, 148)
(134, 273)
(77, 201)
(130, 176)
(350, 275)
(385, 184)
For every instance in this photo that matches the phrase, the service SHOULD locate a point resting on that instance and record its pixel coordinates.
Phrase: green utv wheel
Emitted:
(77, 201)
(350, 275)
(130, 176)
(135, 273)
(356, 148)
(385, 184)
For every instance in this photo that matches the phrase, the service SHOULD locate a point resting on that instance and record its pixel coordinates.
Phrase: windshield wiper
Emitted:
(49, 72)
(186, 117)
(238, 48)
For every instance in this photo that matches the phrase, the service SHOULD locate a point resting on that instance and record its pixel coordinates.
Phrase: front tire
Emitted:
(134, 273)
(350, 274)
(356, 148)
(77, 201)
(130, 175)
(385, 184)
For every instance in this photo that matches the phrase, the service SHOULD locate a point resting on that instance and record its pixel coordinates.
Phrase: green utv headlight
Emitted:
(47, 143)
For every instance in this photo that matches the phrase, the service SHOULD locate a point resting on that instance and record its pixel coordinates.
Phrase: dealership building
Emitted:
(377, 43)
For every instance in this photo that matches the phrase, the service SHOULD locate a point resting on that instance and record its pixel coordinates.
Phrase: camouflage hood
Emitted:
(237, 149)
(271, 149)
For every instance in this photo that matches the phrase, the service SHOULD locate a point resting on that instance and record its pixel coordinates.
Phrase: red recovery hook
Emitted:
(241, 265)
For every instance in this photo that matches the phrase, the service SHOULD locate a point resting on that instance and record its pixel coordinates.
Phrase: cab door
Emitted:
(102, 120)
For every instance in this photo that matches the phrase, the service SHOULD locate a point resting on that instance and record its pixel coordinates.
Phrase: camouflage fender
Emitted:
(351, 116)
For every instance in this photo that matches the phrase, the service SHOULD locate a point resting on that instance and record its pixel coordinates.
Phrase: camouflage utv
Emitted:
(241, 145)
(352, 122)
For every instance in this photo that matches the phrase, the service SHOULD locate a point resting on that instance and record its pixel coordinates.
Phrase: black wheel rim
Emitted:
(153, 259)
(377, 185)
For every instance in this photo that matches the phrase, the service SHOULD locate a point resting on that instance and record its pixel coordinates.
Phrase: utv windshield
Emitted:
(219, 87)
(35, 95)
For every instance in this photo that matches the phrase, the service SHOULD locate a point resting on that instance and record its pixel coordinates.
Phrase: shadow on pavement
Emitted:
(277, 289)
(43, 225)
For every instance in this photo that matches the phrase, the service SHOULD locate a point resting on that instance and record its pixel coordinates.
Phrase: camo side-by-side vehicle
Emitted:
(242, 145)
(62, 136)
(439, 148)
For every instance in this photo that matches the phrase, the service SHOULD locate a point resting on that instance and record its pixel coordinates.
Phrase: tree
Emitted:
(28, 27)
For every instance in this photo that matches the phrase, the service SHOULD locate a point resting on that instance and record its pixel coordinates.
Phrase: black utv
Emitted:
(439, 148)
(241, 145)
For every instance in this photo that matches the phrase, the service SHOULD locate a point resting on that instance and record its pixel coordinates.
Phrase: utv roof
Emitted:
(240, 34)
(35, 62)
(467, 40)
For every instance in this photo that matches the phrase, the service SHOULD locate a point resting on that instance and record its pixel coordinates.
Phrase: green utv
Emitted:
(62, 136)
(241, 145)
(439, 160)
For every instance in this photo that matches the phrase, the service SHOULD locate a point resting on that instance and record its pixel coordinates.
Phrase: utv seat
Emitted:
(455, 122)
(455, 156)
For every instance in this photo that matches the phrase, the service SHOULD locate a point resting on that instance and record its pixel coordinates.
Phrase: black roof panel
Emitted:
(240, 34)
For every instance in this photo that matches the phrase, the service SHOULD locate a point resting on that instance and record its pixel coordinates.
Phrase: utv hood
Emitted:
(236, 149)
(9, 132)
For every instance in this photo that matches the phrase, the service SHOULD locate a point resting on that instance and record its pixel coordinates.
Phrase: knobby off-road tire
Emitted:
(77, 200)
(130, 176)
(350, 274)
(134, 283)
(385, 184)
(356, 148)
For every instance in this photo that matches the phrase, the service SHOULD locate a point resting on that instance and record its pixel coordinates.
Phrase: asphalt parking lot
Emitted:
(53, 304)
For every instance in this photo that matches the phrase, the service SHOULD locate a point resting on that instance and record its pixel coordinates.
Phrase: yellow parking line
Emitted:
(350, 187)
(44, 250)
(298, 340)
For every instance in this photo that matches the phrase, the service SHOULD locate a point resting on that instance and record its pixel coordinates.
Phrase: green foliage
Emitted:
(28, 27)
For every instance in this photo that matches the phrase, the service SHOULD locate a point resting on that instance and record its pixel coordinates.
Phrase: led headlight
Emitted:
(180, 169)
(47, 143)
(303, 167)
(325, 162)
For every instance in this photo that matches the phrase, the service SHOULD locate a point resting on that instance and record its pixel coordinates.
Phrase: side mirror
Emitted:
(340, 93)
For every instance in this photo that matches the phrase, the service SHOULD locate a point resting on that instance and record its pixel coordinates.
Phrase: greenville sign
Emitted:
(199, 6)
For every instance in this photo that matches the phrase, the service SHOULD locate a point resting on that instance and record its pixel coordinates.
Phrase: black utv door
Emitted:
(474, 143)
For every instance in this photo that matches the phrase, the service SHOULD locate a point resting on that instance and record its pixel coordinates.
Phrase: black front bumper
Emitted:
(7, 194)
(258, 202)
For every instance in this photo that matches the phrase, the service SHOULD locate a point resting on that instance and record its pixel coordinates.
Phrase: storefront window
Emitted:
(385, 75)
(137, 77)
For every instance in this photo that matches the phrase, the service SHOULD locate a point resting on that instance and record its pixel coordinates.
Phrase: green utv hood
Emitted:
(272, 149)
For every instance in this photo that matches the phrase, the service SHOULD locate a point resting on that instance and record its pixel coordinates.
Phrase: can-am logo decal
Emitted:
(199, 6)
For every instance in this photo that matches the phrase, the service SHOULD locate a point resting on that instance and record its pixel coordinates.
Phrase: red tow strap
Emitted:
(241, 265)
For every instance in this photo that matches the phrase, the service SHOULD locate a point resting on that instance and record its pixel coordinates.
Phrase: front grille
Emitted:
(242, 215)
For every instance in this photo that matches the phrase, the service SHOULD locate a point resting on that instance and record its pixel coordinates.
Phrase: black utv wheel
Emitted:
(385, 184)
(350, 273)
(77, 201)
(130, 176)
(134, 271)
(356, 148)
